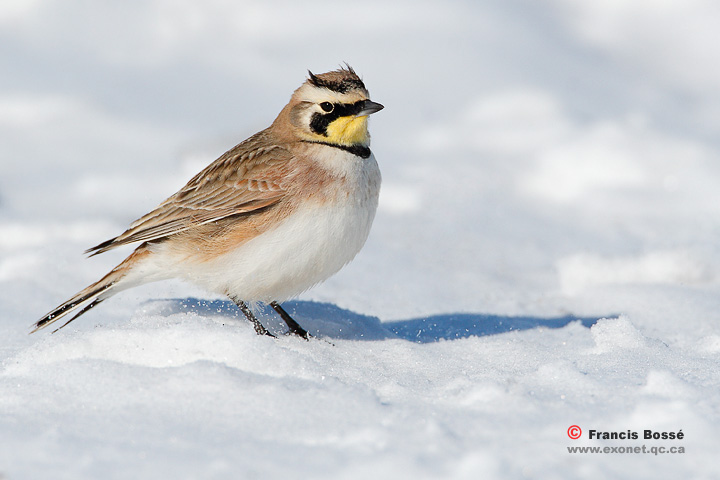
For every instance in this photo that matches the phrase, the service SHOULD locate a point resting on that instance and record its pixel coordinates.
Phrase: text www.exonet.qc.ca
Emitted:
(636, 449)
(575, 432)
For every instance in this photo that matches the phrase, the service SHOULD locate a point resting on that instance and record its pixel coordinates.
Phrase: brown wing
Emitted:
(246, 179)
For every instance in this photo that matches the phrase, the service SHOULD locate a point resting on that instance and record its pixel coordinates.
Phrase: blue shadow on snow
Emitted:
(326, 320)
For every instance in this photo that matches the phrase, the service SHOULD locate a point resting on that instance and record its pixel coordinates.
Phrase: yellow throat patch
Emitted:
(349, 131)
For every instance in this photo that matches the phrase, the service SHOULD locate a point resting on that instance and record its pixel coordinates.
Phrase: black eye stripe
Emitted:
(345, 109)
(320, 121)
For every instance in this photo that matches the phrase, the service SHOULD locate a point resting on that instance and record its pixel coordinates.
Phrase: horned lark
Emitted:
(273, 216)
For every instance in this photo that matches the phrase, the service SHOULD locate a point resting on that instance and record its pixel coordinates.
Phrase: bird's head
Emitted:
(332, 108)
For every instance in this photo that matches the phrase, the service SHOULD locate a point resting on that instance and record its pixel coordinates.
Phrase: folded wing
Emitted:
(247, 179)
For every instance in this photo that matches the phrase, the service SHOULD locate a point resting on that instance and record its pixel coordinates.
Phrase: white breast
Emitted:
(306, 248)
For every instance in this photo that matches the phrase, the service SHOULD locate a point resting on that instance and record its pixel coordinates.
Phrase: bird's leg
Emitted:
(294, 327)
(259, 329)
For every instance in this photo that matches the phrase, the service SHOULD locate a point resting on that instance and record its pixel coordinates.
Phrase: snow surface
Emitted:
(545, 253)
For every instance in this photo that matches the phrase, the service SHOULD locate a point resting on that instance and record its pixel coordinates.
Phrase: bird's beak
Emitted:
(369, 107)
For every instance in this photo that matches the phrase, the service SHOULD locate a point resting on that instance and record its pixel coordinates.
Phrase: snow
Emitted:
(544, 255)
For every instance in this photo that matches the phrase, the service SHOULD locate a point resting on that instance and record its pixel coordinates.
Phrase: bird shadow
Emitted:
(325, 320)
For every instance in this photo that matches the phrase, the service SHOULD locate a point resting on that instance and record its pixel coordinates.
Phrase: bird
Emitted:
(270, 218)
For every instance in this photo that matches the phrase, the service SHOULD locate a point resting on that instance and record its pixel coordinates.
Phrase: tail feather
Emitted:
(106, 287)
(86, 299)
(85, 309)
